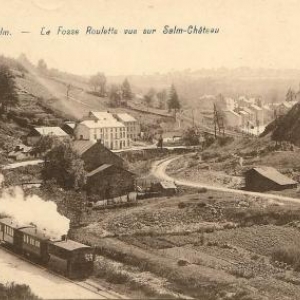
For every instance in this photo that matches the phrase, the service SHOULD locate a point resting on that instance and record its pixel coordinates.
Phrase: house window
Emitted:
(95, 136)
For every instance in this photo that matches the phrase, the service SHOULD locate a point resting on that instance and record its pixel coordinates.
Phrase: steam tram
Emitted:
(69, 258)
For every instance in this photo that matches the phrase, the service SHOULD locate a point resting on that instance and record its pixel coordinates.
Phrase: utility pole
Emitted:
(276, 125)
(218, 122)
(215, 120)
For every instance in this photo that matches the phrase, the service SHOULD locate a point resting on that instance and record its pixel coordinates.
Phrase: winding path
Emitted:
(159, 170)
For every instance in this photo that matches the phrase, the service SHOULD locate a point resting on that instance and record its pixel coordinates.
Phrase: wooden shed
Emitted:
(165, 187)
(267, 178)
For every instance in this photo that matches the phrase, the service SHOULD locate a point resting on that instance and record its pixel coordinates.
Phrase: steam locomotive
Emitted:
(66, 257)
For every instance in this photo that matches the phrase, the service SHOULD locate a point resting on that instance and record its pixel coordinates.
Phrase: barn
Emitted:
(267, 178)
(94, 154)
(109, 181)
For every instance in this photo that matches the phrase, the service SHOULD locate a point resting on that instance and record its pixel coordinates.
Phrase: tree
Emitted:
(98, 82)
(190, 137)
(115, 96)
(290, 95)
(150, 96)
(173, 102)
(65, 166)
(162, 98)
(127, 93)
(46, 143)
(42, 66)
(8, 95)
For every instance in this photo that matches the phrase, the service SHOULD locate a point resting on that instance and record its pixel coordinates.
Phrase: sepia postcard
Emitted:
(150, 149)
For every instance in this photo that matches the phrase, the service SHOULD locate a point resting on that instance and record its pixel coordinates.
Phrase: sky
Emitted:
(252, 33)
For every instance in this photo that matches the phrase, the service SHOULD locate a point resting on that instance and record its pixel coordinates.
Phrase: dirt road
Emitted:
(159, 171)
(22, 164)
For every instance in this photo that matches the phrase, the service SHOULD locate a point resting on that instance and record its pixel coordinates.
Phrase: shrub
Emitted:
(16, 292)
(289, 255)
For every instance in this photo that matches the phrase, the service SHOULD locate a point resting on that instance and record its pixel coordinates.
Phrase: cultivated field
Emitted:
(205, 245)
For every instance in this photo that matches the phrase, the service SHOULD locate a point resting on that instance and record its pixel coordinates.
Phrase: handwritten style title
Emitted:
(167, 29)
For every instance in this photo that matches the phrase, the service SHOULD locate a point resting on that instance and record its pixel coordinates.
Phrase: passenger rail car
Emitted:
(69, 258)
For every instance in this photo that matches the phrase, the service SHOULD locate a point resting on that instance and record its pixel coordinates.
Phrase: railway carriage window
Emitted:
(37, 244)
(9, 231)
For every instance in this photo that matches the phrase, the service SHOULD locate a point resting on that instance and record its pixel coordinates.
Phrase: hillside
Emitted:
(288, 127)
(43, 101)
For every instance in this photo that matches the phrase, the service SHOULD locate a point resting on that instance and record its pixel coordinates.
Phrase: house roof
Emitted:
(168, 185)
(13, 224)
(99, 169)
(274, 175)
(232, 112)
(102, 115)
(267, 107)
(81, 146)
(105, 123)
(57, 131)
(256, 107)
(248, 110)
(105, 167)
(70, 245)
(124, 117)
(242, 112)
(71, 125)
(34, 232)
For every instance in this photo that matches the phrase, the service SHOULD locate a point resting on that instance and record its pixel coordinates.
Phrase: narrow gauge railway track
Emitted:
(87, 284)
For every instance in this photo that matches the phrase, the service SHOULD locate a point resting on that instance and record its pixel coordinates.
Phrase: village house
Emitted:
(109, 181)
(170, 137)
(112, 133)
(69, 127)
(37, 133)
(230, 103)
(245, 118)
(94, 154)
(268, 113)
(132, 125)
(243, 102)
(251, 116)
(232, 119)
(261, 179)
(258, 115)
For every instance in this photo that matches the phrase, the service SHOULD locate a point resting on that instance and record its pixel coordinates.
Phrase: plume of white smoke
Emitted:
(1, 179)
(33, 210)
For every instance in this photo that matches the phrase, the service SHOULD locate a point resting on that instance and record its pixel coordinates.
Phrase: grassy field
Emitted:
(205, 245)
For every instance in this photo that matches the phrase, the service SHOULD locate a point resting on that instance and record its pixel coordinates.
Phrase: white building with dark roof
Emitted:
(132, 125)
(37, 133)
(112, 133)
(232, 118)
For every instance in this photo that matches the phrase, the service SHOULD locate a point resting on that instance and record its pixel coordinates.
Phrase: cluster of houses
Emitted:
(250, 113)
(114, 131)
(93, 138)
